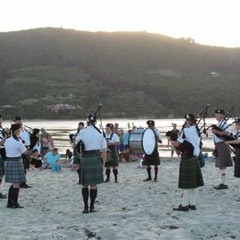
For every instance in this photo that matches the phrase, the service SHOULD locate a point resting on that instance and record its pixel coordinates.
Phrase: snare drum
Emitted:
(142, 141)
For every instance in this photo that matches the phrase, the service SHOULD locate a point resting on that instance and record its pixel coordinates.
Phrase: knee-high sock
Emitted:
(93, 195)
(193, 196)
(10, 195)
(185, 197)
(223, 173)
(108, 171)
(15, 193)
(85, 194)
(149, 172)
(156, 171)
(115, 172)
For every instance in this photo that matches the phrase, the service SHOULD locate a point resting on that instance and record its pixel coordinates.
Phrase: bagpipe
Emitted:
(228, 115)
(226, 137)
(186, 148)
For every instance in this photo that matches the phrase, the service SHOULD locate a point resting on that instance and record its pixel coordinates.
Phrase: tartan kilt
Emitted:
(237, 164)
(152, 159)
(113, 161)
(190, 175)
(14, 171)
(223, 158)
(91, 170)
(1, 167)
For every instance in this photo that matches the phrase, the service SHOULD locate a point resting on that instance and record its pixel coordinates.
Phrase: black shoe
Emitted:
(24, 185)
(92, 210)
(9, 206)
(155, 179)
(85, 210)
(107, 180)
(2, 196)
(17, 206)
(116, 181)
(221, 186)
(148, 179)
(192, 207)
(181, 208)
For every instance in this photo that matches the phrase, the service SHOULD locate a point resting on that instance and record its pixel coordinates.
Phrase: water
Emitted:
(60, 130)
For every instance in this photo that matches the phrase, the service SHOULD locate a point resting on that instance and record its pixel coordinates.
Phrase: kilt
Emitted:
(1, 167)
(190, 175)
(152, 159)
(237, 164)
(223, 158)
(91, 170)
(14, 170)
(113, 161)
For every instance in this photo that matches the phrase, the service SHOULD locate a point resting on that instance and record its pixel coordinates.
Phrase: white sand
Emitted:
(130, 209)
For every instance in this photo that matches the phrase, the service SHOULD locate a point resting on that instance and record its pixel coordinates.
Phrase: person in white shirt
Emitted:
(234, 140)
(25, 137)
(154, 158)
(112, 143)
(92, 160)
(190, 175)
(223, 158)
(14, 171)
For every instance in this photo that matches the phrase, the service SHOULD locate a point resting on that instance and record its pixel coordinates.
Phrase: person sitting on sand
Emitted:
(35, 159)
(52, 161)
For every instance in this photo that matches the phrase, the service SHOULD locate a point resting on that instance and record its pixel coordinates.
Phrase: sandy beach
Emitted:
(129, 209)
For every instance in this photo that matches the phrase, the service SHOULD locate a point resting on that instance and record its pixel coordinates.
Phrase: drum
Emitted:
(142, 141)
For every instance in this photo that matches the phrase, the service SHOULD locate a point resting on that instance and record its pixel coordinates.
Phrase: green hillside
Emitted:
(65, 74)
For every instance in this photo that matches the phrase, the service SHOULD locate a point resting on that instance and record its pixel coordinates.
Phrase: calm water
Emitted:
(61, 129)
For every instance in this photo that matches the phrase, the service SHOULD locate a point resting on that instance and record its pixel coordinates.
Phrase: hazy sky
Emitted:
(211, 22)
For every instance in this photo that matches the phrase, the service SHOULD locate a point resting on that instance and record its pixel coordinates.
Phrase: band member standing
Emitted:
(235, 140)
(223, 158)
(25, 137)
(112, 143)
(91, 161)
(35, 141)
(14, 172)
(153, 159)
(190, 175)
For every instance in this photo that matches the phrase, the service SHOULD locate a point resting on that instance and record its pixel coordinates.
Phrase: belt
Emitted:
(13, 158)
(92, 152)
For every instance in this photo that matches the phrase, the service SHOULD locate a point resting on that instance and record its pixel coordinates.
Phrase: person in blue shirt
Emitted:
(52, 160)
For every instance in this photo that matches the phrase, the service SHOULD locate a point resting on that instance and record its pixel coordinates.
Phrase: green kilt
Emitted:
(152, 159)
(113, 161)
(237, 164)
(223, 158)
(190, 175)
(1, 167)
(91, 170)
(14, 170)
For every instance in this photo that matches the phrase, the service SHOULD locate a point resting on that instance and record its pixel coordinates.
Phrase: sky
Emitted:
(208, 22)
